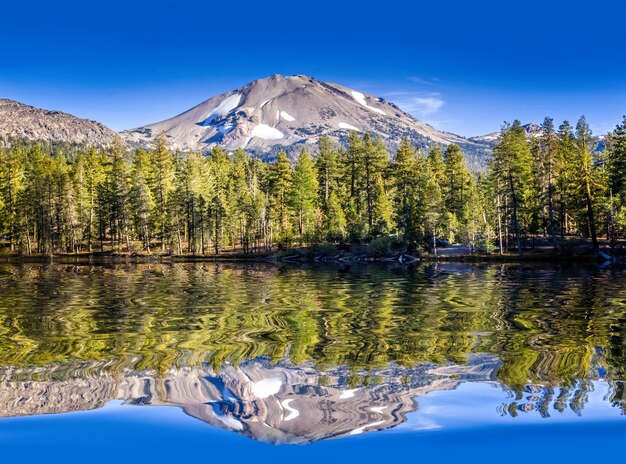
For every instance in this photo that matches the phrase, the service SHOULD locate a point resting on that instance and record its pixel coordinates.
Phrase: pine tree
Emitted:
(548, 173)
(584, 145)
(304, 193)
(353, 208)
(89, 176)
(434, 209)
(12, 171)
(405, 174)
(382, 208)
(617, 176)
(219, 207)
(280, 185)
(374, 162)
(117, 192)
(473, 228)
(455, 186)
(566, 185)
(511, 164)
(328, 163)
(435, 165)
(161, 184)
(435, 214)
(617, 159)
(334, 219)
(180, 204)
(141, 197)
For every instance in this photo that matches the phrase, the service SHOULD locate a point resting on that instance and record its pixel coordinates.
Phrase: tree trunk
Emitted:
(515, 223)
(216, 241)
(499, 226)
(551, 213)
(592, 223)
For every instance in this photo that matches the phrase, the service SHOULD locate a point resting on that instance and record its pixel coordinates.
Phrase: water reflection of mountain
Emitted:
(279, 403)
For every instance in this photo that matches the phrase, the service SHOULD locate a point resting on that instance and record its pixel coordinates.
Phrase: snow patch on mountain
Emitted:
(228, 105)
(266, 132)
(359, 97)
(226, 128)
(286, 116)
(228, 421)
(293, 412)
(360, 430)
(346, 394)
(345, 125)
(266, 387)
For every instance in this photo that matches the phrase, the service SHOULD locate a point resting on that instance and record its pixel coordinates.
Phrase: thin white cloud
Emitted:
(422, 80)
(427, 105)
(419, 80)
(421, 105)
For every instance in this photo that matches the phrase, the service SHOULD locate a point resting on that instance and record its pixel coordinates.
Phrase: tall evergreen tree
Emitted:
(141, 197)
(547, 174)
(616, 167)
(406, 173)
(219, 206)
(567, 187)
(374, 162)
(512, 161)
(584, 145)
(280, 187)
(334, 222)
(12, 172)
(161, 183)
(304, 193)
(328, 163)
(455, 186)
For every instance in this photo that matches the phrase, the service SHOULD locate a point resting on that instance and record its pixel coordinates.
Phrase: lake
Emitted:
(441, 362)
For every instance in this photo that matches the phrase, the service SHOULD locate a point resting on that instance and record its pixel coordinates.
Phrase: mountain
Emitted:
(18, 120)
(532, 130)
(287, 112)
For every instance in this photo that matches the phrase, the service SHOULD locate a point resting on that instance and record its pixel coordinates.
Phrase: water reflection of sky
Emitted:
(481, 404)
(468, 427)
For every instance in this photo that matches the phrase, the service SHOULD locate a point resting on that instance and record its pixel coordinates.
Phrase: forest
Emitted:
(560, 185)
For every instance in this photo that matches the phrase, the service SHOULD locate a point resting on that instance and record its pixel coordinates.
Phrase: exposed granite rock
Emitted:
(21, 121)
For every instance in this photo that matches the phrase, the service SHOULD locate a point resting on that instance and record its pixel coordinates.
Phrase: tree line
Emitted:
(89, 200)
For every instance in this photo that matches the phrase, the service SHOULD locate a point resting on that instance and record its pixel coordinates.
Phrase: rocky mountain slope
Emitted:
(18, 120)
(287, 112)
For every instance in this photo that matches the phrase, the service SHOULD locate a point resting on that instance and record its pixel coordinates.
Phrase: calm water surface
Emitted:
(188, 361)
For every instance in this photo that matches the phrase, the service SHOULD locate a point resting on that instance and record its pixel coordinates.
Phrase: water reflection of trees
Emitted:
(558, 327)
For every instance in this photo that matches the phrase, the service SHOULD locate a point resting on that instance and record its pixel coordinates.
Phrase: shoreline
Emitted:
(304, 257)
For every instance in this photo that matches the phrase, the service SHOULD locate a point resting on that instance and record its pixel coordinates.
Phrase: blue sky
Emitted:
(463, 66)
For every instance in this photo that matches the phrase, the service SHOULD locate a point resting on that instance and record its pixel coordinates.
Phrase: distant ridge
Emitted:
(532, 130)
(21, 121)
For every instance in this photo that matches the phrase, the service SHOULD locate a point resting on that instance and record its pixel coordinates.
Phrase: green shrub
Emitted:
(382, 246)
